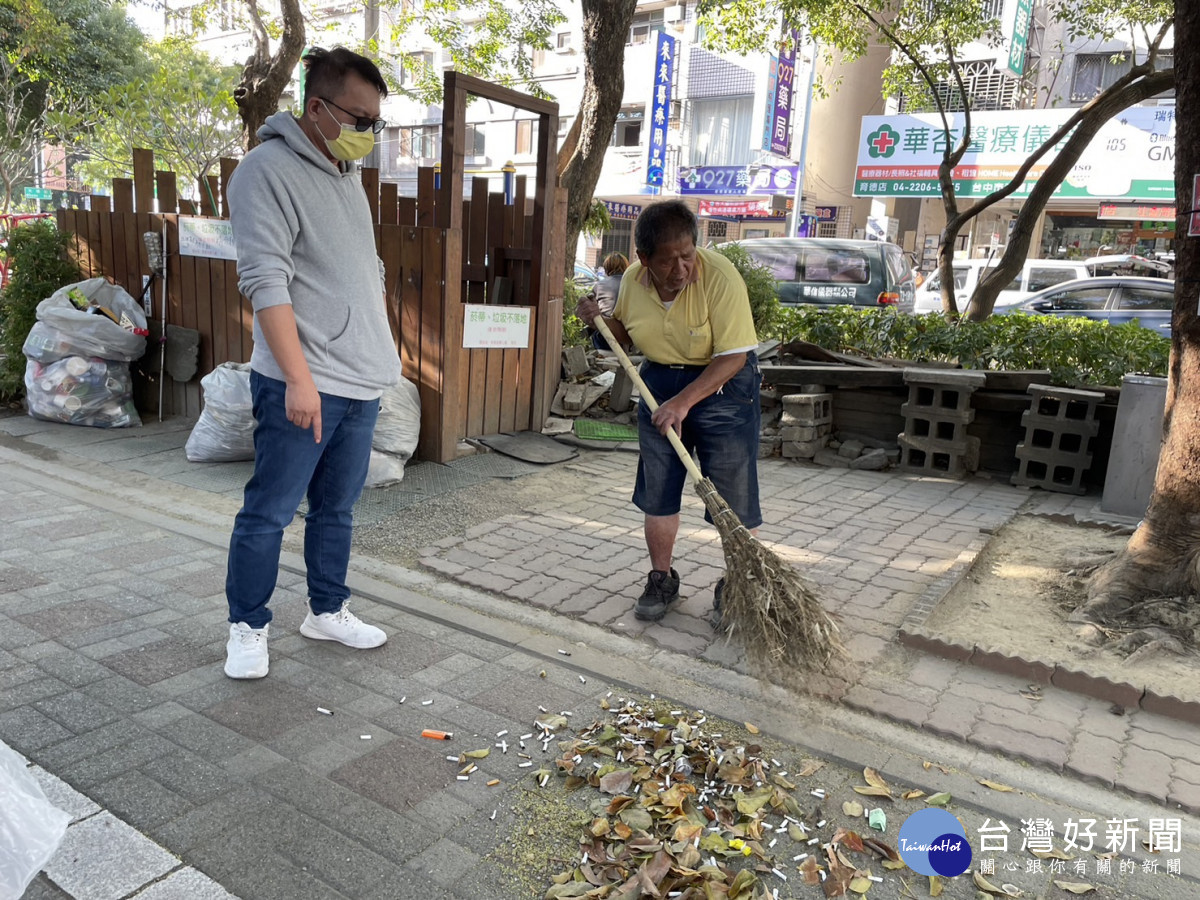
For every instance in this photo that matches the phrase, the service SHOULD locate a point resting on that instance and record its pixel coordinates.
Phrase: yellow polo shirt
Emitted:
(710, 316)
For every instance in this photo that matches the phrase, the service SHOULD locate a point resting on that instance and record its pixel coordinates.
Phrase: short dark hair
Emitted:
(325, 71)
(667, 220)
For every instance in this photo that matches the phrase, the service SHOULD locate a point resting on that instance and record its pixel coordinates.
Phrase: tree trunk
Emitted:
(265, 74)
(605, 30)
(1161, 557)
(1009, 266)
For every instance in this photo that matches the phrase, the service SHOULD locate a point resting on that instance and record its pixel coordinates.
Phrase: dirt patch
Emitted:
(1024, 585)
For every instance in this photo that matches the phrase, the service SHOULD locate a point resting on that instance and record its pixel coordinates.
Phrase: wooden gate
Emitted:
(510, 254)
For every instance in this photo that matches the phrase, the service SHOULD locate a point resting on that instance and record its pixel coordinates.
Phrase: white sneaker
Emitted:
(246, 652)
(344, 627)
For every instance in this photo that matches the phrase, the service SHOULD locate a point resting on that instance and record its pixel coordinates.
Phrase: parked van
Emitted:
(1036, 275)
(836, 272)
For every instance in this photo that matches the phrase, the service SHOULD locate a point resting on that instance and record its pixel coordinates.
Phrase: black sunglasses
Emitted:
(361, 123)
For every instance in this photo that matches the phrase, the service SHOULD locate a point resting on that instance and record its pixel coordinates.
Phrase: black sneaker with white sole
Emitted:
(662, 589)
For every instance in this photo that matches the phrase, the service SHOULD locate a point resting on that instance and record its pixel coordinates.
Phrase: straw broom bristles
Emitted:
(773, 610)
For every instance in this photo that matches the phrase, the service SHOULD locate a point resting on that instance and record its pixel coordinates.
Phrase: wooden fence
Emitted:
(441, 250)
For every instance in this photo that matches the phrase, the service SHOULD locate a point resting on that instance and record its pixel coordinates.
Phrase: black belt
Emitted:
(673, 366)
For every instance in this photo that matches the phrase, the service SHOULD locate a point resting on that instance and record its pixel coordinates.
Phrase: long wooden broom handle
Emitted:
(632, 372)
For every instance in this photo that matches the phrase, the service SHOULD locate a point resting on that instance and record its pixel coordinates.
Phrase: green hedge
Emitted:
(39, 267)
(1075, 349)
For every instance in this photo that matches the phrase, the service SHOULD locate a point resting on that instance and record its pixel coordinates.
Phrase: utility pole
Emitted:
(794, 218)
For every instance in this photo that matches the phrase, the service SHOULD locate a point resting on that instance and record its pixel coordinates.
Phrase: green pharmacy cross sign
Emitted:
(883, 142)
(37, 193)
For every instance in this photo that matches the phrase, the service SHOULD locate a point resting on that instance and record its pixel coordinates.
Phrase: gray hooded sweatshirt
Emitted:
(304, 236)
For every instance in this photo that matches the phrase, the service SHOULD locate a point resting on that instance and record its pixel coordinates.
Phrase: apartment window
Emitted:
(993, 9)
(721, 131)
(527, 135)
(986, 87)
(628, 130)
(644, 24)
(419, 142)
(475, 144)
(1095, 72)
(410, 67)
(562, 41)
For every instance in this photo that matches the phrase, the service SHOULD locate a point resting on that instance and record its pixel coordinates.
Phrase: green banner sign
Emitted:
(37, 193)
(1019, 40)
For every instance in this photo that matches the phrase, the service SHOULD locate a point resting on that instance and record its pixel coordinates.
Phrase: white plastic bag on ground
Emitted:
(396, 434)
(225, 430)
(31, 828)
(81, 390)
(63, 330)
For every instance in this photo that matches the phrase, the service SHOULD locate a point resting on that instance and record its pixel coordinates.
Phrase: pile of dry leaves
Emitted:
(689, 813)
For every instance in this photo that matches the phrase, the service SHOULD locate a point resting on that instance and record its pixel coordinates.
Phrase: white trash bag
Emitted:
(81, 390)
(397, 431)
(63, 329)
(225, 430)
(31, 828)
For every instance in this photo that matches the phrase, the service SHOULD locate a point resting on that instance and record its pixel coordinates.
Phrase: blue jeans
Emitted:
(287, 466)
(723, 430)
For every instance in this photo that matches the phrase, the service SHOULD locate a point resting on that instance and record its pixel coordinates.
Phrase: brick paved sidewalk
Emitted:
(879, 545)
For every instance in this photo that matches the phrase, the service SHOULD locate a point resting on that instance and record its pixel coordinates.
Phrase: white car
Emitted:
(1036, 275)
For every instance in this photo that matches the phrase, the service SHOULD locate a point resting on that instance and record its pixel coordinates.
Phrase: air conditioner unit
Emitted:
(672, 14)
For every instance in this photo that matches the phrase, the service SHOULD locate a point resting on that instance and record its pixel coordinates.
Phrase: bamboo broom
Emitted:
(777, 614)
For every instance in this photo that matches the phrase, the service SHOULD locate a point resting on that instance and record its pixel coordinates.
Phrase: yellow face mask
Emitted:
(350, 144)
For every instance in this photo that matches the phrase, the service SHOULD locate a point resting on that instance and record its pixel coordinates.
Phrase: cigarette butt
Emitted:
(426, 702)
(876, 878)
(564, 653)
(526, 737)
(542, 674)
(493, 815)
(493, 782)
(323, 711)
(542, 709)
(464, 777)
(364, 737)
(453, 759)
(524, 765)
(402, 699)
(502, 733)
(582, 680)
(437, 735)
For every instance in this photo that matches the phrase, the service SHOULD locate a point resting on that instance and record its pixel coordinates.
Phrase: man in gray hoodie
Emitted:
(323, 350)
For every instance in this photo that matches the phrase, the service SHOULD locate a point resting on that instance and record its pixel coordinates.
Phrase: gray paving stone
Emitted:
(102, 858)
(27, 730)
(62, 795)
(139, 800)
(444, 862)
(185, 884)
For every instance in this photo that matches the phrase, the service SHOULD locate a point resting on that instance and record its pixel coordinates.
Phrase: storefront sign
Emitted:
(622, 210)
(660, 109)
(212, 238)
(738, 180)
(781, 119)
(826, 213)
(1138, 212)
(496, 326)
(1131, 158)
(769, 107)
(756, 208)
(1018, 41)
